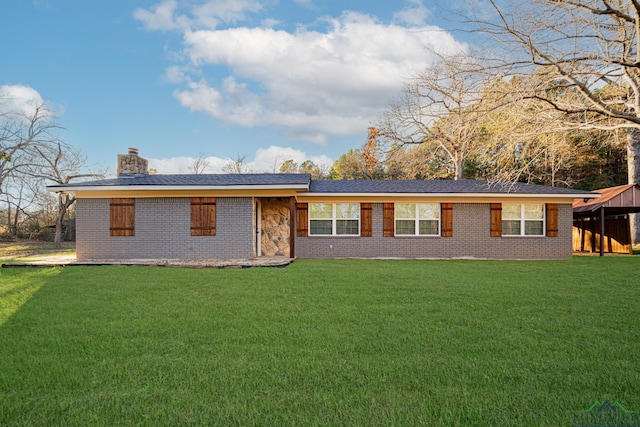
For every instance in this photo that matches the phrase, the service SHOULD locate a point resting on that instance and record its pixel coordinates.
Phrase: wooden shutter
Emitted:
(302, 219)
(552, 220)
(365, 220)
(496, 219)
(388, 220)
(122, 217)
(446, 226)
(203, 216)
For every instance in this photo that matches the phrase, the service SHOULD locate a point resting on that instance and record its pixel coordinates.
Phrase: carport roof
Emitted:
(618, 200)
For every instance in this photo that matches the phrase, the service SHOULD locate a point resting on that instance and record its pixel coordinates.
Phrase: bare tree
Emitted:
(199, 165)
(588, 49)
(237, 165)
(19, 132)
(60, 164)
(20, 194)
(424, 161)
(441, 107)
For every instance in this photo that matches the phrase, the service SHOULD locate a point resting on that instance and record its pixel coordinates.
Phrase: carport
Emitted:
(610, 212)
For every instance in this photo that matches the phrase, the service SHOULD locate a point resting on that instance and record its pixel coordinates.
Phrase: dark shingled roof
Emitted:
(435, 186)
(197, 180)
(325, 186)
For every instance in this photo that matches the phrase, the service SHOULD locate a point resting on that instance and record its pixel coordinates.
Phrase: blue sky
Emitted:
(271, 80)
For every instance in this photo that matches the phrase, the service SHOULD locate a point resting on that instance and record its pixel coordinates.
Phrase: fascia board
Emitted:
(457, 195)
(56, 188)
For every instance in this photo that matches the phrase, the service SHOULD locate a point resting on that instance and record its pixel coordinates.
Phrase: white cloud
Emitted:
(314, 83)
(160, 17)
(19, 100)
(178, 165)
(415, 14)
(174, 14)
(211, 12)
(270, 23)
(265, 160)
(176, 74)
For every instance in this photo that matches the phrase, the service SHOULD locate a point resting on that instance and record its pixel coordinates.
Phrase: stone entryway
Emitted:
(274, 227)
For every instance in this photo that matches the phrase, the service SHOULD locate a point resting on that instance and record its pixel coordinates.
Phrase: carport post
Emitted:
(602, 231)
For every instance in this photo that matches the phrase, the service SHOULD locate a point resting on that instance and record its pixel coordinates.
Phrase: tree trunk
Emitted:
(633, 164)
(459, 168)
(57, 240)
(16, 218)
(9, 218)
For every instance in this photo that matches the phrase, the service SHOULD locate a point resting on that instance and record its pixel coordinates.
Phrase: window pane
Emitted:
(533, 228)
(320, 226)
(428, 227)
(347, 226)
(405, 210)
(320, 210)
(404, 226)
(510, 211)
(429, 211)
(510, 228)
(534, 211)
(348, 210)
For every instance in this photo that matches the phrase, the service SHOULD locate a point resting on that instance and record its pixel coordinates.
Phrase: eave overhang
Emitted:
(454, 195)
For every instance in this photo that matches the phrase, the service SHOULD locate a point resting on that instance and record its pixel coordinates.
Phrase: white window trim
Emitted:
(522, 220)
(417, 221)
(334, 221)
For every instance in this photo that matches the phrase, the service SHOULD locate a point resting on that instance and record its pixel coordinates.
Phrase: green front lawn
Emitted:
(321, 342)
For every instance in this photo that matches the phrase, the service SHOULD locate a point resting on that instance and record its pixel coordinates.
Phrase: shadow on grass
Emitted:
(18, 287)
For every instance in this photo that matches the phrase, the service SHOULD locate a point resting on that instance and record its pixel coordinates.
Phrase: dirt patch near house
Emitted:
(25, 248)
(31, 253)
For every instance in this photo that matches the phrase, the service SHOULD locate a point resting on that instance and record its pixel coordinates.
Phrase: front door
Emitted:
(272, 227)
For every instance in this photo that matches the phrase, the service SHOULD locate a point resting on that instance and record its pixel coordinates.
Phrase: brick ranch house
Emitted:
(242, 216)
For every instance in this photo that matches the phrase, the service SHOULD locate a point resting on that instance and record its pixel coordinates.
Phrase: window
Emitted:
(326, 219)
(523, 219)
(422, 219)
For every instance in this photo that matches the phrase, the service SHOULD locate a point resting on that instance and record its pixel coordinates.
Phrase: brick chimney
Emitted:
(132, 164)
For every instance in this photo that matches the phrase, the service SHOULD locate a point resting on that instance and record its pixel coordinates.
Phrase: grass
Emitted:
(321, 342)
